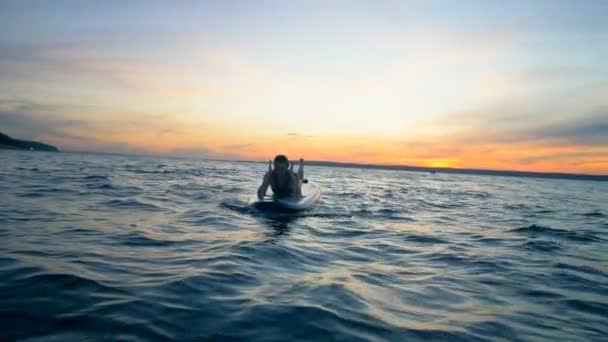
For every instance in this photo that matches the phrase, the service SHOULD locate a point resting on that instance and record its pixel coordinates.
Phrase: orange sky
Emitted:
(450, 152)
(493, 86)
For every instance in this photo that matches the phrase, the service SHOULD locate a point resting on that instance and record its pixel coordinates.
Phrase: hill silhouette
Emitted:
(6, 142)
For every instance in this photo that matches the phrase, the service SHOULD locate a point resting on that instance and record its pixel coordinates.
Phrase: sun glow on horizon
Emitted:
(368, 83)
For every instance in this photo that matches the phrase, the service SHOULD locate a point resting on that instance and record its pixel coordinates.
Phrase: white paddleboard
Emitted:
(311, 195)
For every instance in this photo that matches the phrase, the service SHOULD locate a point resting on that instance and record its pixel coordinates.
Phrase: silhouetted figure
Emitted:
(284, 182)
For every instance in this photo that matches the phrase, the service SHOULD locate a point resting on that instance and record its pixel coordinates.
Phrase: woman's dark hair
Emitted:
(281, 159)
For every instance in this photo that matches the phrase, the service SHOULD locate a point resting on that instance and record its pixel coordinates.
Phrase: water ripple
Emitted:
(111, 247)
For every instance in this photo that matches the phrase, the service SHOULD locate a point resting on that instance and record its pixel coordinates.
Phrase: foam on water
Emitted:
(98, 247)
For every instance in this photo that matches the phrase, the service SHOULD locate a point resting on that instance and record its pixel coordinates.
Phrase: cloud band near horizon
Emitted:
(511, 86)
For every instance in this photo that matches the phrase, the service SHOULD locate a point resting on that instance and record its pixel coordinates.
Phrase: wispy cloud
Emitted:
(589, 130)
(30, 120)
(396, 82)
(121, 132)
(583, 129)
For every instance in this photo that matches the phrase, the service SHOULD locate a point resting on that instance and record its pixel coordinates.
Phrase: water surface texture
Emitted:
(109, 247)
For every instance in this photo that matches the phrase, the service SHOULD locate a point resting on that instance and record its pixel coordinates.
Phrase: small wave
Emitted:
(587, 306)
(185, 187)
(450, 258)
(138, 240)
(59, 281)
(191, 191)
(540, 294)
(424, 239)
(130, 204)
(6, 260)
(291, 216)
(103, 187)
(542, 246)
(387, 194)
(544, 211)
(489, 240)
(536, 230)
(345, 233)
(15, 272)
(201, 197)
(239, 208)
(388, 214)
(81, 231)
(52, 191)
(96, 178)
(491, 265)
(219, 220)
(479, 194)
(594, 214)
(216, 282)
(579, 268)
(327, 215)
(494, 330)
(107, 188)
(441, 205)
(517, 207)
(32, 194)
(233, 190)
(354, 195)
(315, 321)
(153, 172)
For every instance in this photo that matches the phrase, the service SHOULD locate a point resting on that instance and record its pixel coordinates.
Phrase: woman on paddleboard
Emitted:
(282, 180)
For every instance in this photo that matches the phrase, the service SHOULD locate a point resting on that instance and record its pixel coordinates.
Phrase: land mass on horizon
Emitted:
(6, 142)
(558, 175)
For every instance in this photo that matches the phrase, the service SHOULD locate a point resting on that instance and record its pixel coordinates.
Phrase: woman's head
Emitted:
(281, 162)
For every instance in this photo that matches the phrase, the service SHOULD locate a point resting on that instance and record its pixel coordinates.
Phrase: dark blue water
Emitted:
(104, 247)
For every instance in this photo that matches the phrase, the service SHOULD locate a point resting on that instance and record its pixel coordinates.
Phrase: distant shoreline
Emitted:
(438, 170)
(481, 172)
(9, 143)
(553, 175)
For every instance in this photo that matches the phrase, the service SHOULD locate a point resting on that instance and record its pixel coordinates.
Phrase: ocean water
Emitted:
(108, 247)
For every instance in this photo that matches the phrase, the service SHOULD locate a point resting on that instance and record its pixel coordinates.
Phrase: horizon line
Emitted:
(401, 167)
